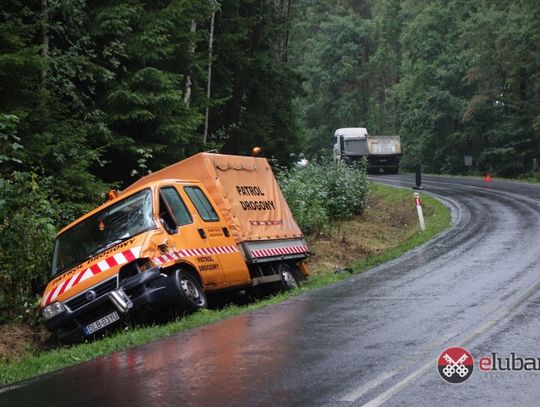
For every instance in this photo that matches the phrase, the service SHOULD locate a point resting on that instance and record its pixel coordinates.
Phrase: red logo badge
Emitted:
(455, 365)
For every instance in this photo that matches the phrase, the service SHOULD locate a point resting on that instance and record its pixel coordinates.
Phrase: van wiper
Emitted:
(100, 249)
(105, 246)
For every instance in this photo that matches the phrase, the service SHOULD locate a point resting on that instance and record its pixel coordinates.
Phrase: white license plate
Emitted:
(384, 149)
(101, 323)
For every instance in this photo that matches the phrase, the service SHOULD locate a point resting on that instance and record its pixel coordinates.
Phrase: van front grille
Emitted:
(100, 290)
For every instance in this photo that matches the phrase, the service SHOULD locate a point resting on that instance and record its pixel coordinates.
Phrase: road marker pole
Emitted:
(418, 176)
(418, 203)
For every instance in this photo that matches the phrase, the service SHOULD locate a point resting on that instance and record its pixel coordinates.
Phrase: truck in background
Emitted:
(382, 152)
(209, 223)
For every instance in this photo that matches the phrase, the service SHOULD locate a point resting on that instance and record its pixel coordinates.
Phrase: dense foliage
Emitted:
(451, 77)
(324, 191)
(96, 93)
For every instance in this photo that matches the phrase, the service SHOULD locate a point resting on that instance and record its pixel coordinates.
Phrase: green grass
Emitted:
(437, 219)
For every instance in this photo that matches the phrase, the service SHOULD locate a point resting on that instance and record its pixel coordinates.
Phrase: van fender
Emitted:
(186, 266)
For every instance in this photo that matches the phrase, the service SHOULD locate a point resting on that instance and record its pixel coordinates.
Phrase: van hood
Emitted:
(101, 266)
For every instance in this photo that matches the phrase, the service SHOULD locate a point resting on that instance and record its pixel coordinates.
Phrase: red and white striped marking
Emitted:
(266, 222)
(418, 203)
(115, 260)
(279, 251)
(180, 254)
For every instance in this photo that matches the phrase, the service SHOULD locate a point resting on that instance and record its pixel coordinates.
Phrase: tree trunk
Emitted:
(234, 106)
(209, 82)
(287, 31)
(187, 92)
(44, 37)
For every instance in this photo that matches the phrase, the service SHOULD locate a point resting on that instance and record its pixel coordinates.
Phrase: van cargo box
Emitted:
(248, 196)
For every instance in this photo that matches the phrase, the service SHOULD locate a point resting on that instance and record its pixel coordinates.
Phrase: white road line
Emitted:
(13, 387)
(363, 389)
(392, 391)
(366, 387)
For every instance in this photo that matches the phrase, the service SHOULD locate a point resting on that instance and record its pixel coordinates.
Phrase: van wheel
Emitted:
(191, 296)
(290, 277)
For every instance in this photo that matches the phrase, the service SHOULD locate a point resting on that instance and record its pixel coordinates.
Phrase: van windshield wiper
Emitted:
(99, 249)
(105, 246)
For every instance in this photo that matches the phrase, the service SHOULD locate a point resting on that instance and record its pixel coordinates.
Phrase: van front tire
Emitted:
(190, 296)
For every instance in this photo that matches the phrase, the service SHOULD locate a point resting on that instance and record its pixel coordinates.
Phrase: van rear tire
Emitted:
(191, 296)
(290, 277)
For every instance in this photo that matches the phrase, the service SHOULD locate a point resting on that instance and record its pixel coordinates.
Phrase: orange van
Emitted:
(209, 223)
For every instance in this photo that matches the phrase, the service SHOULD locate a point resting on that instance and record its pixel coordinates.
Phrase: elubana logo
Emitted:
(455, 364)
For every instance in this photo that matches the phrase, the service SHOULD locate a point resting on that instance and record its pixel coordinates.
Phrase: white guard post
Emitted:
(418, 204)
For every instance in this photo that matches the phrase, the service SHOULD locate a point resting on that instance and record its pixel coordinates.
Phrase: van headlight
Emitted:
(53, 310)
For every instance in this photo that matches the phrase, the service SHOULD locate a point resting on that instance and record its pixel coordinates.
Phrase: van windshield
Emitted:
(102, 230)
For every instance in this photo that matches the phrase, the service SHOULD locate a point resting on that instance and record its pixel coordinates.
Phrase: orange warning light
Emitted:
(113, 193)
(255, 151)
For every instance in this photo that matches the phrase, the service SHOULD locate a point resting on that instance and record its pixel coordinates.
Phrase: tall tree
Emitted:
(502, 41)
(40, 83)
(255, 84)
(147, 49)
(431, 90)
(332, 47)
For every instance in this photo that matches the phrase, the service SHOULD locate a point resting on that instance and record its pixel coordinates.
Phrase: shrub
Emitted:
(26, 234)
(324, 191)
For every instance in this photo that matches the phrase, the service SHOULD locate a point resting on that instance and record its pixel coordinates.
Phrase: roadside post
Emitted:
(418, 176)
(468, 162)
(418, 203)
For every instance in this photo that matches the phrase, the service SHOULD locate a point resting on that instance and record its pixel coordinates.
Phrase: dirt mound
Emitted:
(383, 225)
(19, 339)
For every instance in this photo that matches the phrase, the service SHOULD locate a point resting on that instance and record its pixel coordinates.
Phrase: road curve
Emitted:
(372, 339)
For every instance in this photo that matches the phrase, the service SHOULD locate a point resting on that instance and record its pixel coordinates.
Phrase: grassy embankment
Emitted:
(387, 229)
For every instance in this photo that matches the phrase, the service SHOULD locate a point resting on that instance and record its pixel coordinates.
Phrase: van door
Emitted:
(217, 234)
(184, 240)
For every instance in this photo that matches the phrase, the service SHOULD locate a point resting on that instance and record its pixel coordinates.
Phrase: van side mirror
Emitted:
(168, 224)
(37, 284)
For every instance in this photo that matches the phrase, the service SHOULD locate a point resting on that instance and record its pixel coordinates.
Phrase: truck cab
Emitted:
(350, 144)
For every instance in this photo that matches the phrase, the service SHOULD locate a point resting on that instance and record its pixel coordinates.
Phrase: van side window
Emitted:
(172, 209)
(202, 204)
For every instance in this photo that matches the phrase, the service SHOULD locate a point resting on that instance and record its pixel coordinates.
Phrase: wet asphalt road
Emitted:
(374, 338)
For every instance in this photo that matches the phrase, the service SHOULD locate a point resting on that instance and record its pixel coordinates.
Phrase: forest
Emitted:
(97, 93)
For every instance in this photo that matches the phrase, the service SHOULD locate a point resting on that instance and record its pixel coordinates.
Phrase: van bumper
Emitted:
(148, 291)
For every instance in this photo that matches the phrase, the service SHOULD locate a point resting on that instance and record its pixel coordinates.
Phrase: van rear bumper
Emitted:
(275, 250)
(148, 291)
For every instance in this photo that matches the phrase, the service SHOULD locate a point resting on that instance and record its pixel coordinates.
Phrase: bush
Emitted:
(27, 232)
(324, 191)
